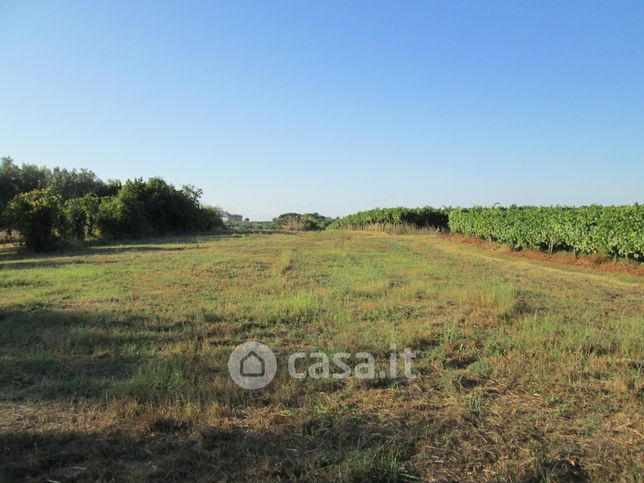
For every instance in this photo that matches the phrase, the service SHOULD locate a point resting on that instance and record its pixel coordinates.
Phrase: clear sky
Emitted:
(333, 106)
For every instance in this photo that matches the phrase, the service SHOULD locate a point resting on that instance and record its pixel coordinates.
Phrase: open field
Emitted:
(113, 362)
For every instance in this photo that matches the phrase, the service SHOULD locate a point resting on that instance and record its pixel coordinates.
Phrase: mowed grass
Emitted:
(113, 363)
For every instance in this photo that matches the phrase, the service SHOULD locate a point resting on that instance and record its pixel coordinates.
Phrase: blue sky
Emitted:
(334, 106)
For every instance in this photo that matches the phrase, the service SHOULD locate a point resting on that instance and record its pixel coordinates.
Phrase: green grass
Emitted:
(113, 362)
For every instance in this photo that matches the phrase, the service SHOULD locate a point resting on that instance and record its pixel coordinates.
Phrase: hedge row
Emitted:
(384, 218)
(607, 230)
(45, 220)
(299, 222)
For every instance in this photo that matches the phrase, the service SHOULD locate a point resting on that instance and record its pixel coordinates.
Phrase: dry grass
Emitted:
(113, 363)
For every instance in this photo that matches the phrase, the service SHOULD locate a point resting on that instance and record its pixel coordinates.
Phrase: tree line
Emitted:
(51, 207)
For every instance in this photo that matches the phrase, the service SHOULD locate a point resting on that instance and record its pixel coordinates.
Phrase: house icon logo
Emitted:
(252, 365)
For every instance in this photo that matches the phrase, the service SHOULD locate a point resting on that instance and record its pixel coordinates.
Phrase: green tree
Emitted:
(122, 216)
(81, 214)
(9, 181)
(39, 218)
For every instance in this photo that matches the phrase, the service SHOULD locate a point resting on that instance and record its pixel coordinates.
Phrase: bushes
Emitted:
(39, 217)
(305, 222)
(68, 184)
(608, 230)
(81, 216)
(384, 219)
(122, 216)
(138, 209)
(210, 218)
(154, 208)
(9, 182)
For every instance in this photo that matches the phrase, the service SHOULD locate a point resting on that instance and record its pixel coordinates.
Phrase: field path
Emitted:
(454, 247)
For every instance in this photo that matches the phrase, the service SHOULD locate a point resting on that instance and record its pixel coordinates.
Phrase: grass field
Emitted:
(113, 362)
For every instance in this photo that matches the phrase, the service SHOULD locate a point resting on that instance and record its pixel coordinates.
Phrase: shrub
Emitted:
(39, 217)
(154, 208)
(50, 205)
(122, 216)
(209, 218)
(82, 214)
(9, 182)
(305, 222)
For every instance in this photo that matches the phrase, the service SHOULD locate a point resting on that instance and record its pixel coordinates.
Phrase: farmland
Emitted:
(606, 230)
(113, 362)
